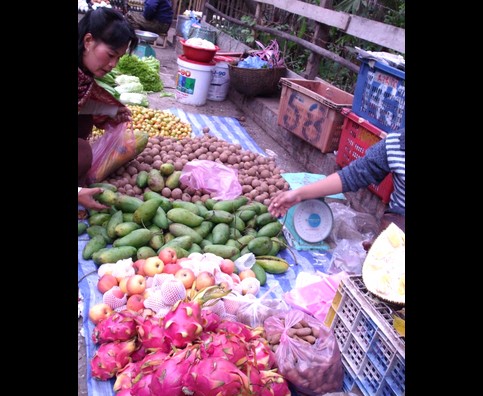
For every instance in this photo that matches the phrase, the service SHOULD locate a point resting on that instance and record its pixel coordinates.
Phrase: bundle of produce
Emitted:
(146, 68)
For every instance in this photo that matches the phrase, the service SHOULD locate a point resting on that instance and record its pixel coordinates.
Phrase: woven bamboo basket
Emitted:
(256, 82)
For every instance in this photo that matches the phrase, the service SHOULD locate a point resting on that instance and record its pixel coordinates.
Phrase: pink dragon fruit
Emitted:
(151, 335)
(120, 326)
(124, 392)
(140, 385)
(275, 383)
(152, 360)
(224, 345)
(261, 354)
(240, 329)
(139, 353)
(210, 320)
(214, 376)
(169, 377)
(111, 357)
(266, 382)
(126, 375)
(183, 323)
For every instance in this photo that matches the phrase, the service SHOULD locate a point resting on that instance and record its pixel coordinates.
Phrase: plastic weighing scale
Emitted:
(146, 39)
(308, 224)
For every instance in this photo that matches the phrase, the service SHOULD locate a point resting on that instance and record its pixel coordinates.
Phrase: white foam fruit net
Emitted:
(110, 298)
(158, 279)
(163, 297)
(218, 307)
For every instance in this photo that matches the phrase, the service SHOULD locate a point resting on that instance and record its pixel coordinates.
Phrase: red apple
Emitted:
(171, 268)
(186, 276)
(138, 266)
(99, 312)
(227, 266)
(153, 265)
(122, 284)
(136, 284)
(204, 279)
(168, 255)
(117, 292)
(106, 282)
(135, 302)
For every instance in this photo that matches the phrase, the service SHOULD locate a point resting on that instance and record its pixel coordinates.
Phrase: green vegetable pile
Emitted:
(146, 68)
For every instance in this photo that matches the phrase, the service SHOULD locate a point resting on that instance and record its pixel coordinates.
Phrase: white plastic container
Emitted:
(193, 81)
(220, 82)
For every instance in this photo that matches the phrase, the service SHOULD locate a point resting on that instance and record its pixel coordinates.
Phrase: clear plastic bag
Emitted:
(313, 369)
(350, 229)
(254, 312)
(113, 149)
(213, 177)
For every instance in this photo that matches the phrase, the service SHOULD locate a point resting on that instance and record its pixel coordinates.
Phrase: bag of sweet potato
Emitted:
(307, 352)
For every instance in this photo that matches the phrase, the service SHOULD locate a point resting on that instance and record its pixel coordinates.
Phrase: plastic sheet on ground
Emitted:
(228, 129)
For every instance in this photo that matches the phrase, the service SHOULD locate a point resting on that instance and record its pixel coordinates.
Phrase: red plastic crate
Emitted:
(356, 137)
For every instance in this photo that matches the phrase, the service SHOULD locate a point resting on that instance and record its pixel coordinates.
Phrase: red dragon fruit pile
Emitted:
(188, 352)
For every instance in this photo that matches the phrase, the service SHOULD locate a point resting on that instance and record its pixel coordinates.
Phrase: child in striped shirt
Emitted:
(384, 157)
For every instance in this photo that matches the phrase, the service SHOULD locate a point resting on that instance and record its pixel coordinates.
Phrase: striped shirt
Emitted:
(386, 156)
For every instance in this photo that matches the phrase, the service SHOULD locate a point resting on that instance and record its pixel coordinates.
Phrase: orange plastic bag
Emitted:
(113, 149)
(313, 369)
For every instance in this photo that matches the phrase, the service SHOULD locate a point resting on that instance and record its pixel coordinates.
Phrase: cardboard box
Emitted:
(312, 110)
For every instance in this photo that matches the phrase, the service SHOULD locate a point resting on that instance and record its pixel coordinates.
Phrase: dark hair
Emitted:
(106, 25)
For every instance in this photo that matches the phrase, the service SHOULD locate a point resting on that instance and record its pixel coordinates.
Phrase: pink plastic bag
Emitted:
(212, 177)
(113, 149)
(315, 298)
(313, 369)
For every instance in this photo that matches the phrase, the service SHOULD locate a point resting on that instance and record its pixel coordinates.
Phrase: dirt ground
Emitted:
(169, 67)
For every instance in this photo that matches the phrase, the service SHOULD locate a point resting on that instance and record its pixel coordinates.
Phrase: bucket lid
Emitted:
(185, 59)
(222, 58)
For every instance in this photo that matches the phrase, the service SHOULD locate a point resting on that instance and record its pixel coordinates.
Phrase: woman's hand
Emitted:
(123, 115)
(283, 202)
(85, 197)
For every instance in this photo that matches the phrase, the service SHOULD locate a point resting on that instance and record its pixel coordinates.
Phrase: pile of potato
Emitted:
(259, 176)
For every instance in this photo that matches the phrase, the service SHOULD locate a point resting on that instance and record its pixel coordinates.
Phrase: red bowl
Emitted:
(199, 54)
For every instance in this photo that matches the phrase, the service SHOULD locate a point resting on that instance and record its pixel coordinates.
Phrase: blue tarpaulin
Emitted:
(228, 129)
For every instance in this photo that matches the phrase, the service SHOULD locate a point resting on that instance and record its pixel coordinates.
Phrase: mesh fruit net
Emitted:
(110, 298)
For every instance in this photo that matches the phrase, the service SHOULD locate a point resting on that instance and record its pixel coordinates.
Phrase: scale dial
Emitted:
(313, 220)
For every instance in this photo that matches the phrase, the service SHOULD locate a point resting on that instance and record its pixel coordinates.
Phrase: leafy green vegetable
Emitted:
(152, 62)
(124, 78)
(130, 87)
(134, 66)
(134, 98)
(108, 88)
(108, 78)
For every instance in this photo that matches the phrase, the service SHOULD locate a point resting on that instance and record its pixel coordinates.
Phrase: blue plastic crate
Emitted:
(354, 353)
(370, 378)
(381, 352)
(341, 332)
(396, 376)
(348, 381)
(380, 95)
(364, 329)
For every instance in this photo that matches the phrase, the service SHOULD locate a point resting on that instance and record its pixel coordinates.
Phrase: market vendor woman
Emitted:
(386, 156)
(103, 37)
